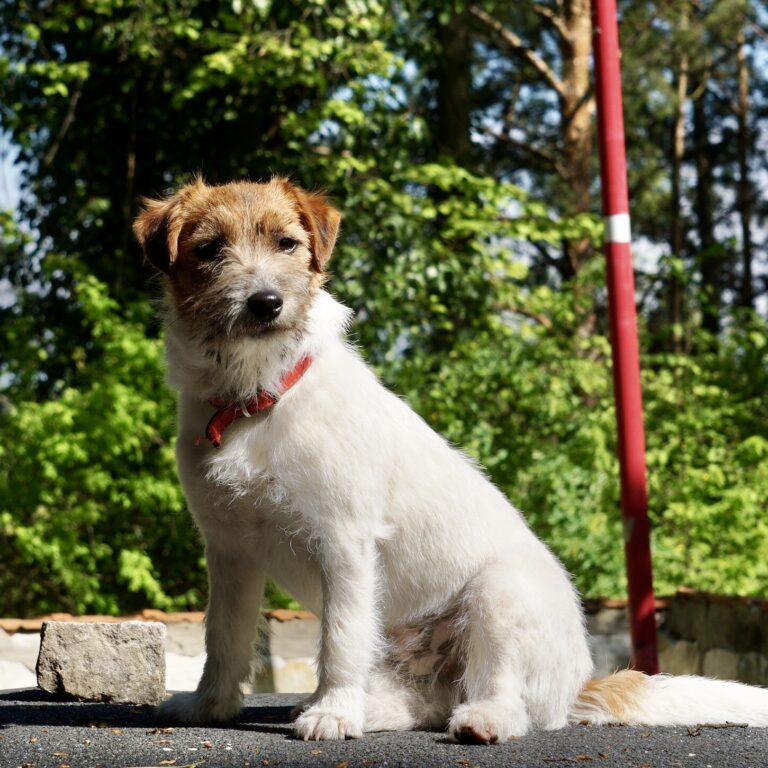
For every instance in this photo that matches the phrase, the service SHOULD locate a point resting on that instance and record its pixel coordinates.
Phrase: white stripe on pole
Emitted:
(617, 228)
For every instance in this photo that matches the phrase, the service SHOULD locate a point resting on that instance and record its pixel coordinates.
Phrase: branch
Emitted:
(560, 265)
(66, 122)
(539, 152)
(529, 313)
(518, 47)
(555, 21)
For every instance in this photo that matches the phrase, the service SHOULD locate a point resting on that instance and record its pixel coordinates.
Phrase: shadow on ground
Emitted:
(35, 707)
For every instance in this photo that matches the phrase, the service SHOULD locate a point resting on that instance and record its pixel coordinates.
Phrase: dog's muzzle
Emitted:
(265, 306)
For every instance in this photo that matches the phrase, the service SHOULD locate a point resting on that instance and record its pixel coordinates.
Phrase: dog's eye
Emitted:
(209, 251)
(287, 244)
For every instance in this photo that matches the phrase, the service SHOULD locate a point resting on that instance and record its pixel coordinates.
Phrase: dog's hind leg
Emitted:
(389, 704)
(524, 648)
(489, 628)
(236, 581)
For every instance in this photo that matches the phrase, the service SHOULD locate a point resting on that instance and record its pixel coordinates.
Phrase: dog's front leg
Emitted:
(236, 586)
(349, 637)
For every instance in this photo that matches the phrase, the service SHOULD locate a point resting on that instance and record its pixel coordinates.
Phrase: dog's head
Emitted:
(241, 259)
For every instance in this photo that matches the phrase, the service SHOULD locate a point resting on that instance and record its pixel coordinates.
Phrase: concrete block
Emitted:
(687, 618)
(607, 621)
(123, 662)
(183, 672)
(724, 665)
(752, 622)
(753, 668)
(610, 652)
(20, 646)
(186, 638)
(294, 675)
(680, 657)
(14, 674)
(290, 666)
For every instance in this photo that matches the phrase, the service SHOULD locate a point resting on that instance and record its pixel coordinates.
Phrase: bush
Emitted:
(91, 514)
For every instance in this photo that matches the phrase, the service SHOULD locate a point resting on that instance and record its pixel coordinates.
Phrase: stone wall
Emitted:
(716, 636)
(699, 634)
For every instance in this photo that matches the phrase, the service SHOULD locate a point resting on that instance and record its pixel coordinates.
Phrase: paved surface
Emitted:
(37, 730)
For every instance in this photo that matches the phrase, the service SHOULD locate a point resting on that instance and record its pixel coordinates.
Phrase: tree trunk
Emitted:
(744, 190)
(453, 88)
(576, 108)
(709, 257)
(571, 23)
(675, 295)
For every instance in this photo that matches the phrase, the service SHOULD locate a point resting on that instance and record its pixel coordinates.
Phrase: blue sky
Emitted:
(10, 181)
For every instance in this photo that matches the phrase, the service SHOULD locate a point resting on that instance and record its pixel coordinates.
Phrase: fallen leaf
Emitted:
(117, 730)
(86, 742)
(584, 757)
(207, 744)
(602, 755)
(59, 754)
(160, 730)
(315, 751)
(341, 765)
(33, 739)
(171, 761)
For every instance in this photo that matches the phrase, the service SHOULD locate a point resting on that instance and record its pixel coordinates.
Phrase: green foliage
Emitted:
(91, 514)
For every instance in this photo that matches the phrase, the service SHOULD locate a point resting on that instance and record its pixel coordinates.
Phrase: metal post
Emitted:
(626, 364)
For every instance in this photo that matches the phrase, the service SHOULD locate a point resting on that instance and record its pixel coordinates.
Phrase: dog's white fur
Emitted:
(347, 499)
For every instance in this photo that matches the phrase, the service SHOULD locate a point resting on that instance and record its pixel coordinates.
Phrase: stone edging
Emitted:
(11, 626)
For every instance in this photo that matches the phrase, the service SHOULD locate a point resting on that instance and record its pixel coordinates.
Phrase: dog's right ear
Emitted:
(157, 229)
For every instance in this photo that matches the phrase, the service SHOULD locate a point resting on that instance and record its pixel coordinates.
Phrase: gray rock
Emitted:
(122, 662)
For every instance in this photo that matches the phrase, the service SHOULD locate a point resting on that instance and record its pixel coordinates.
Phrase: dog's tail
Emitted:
(633, 698)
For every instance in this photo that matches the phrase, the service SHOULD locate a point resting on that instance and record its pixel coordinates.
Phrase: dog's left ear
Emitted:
(157, 229)
(321, 220)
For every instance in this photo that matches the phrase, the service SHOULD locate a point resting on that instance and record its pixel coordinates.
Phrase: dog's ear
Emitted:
(320, 219)
(157, 229)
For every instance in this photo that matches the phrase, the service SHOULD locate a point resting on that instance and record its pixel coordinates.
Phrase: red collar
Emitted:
(229, 412)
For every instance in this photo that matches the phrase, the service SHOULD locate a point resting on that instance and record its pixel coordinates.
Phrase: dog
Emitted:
(440, 608)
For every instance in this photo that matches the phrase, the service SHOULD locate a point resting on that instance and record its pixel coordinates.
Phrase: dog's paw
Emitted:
(335, 715)
(485, 722)
(196, 709)
(319, 724)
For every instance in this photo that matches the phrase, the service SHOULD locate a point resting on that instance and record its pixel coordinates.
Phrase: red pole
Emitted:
(626, 364)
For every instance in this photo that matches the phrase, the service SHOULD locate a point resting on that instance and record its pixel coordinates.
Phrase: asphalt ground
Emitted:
(38, 730)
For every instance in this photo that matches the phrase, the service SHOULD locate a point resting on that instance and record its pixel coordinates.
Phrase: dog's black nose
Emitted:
(265, 305)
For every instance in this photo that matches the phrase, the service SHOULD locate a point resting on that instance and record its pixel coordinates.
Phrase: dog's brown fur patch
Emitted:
(619, 694)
